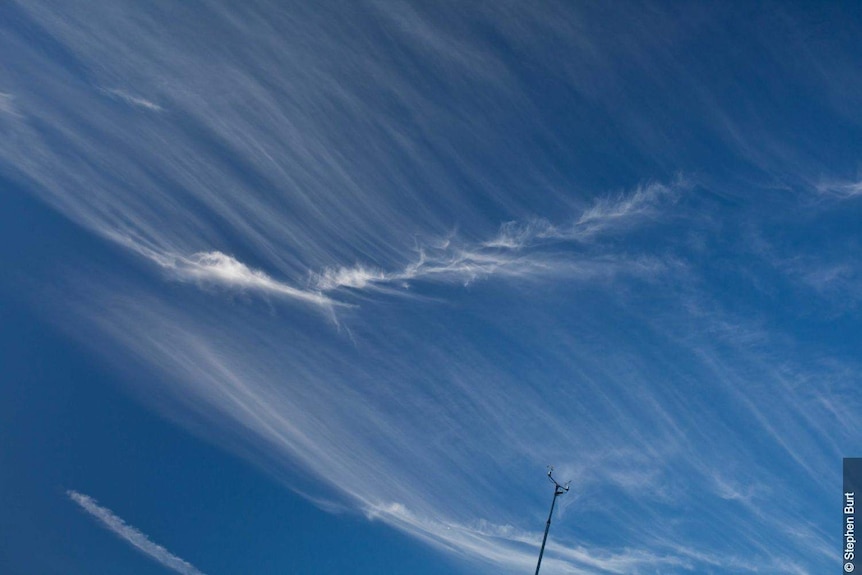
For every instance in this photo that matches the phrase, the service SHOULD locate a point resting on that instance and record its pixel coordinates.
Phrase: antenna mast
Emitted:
(558, 490)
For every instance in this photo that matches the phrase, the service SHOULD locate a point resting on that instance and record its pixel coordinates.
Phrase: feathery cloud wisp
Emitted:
(136, 101)
(512, 252)
(7, 105)
(132, 535)
(217, 268)
(841, 190)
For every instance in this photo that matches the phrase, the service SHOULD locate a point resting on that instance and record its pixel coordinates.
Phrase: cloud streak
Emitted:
(132, 535)
(216, 268)
(841, 190)
(515, 252)
(7, 104)
(133, 100)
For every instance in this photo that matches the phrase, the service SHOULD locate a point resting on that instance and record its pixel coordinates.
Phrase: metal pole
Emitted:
(558, 490)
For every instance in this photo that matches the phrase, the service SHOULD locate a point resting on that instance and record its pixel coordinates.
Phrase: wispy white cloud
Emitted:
(515, 252)
(7, 104)
(645, 201)
(515, 549)
(132, 535)
(466, 264)
(218, 269)
(841, 190)
(832, 277)
(511, 254)
(136, 101)
(622, 212)
(221, 269)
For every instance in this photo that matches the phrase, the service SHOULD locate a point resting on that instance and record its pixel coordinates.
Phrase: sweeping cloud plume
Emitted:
(221, 269)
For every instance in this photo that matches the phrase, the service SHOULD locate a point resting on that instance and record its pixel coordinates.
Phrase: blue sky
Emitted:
(324, 287)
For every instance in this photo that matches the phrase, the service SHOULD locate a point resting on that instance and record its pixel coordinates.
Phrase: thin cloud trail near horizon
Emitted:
(132, 535)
